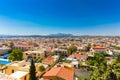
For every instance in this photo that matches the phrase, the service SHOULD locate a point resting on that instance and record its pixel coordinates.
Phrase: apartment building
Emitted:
(33, 54)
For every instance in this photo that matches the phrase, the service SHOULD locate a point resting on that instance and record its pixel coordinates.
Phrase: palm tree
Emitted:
(116, 69)
(104, 71)
(109, 74)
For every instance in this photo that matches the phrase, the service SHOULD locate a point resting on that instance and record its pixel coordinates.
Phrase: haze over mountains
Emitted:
(51, 35)
(60, 34)
(57, 35)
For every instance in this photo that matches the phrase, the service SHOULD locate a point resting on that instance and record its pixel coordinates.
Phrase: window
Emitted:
(12, 71)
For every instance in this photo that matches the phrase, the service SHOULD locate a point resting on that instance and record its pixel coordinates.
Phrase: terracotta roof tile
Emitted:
(61, 72)
(48, 60)
(98, 48)
(78, 56)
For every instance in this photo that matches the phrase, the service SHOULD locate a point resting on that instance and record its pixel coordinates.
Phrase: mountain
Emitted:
(3, 35)
(51, 35)
(60, 35)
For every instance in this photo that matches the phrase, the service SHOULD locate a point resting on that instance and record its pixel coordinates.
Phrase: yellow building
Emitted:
(33, 54)
(18, 67)
(20, 70)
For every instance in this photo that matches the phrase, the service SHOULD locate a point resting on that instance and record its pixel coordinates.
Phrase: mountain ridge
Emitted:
(50, 35)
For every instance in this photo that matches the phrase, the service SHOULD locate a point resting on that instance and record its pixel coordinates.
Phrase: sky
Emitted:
(78, 17)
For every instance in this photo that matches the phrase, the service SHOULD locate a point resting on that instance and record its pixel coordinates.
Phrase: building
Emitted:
(20, 75)
(15, 68)
(75, 64)
(60, 51)
(50, 60)
(7, 77)
(33, 54)
(79, 57)
(61, 73)
(4, 50)
(22, 47)
(98, 48)
(20, 70)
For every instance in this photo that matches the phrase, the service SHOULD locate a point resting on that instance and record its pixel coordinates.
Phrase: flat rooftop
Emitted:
(7, 77)
(19, 74)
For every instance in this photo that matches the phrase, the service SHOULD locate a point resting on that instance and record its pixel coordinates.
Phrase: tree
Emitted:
(116, 67)
(80, 65)
(118, 59)
(61, 58)
(32, 71)
(109, 74)
(82, 79)
(66, 61)
(95, 75)
(116, 47)
(103, 71)
(99, 64)
(42, 68)
(98, 60)
(87, 48)
(11, 45)
(16, 55)
(72, 49)
(40, 59)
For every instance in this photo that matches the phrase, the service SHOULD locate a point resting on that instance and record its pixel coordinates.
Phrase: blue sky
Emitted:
(78, 17)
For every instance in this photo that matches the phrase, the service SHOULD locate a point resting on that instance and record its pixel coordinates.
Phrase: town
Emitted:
(60, 58)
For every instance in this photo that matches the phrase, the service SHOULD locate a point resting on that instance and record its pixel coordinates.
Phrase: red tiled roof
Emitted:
(61, 72)
(48, 60)
(98, 48)
(78, 56)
